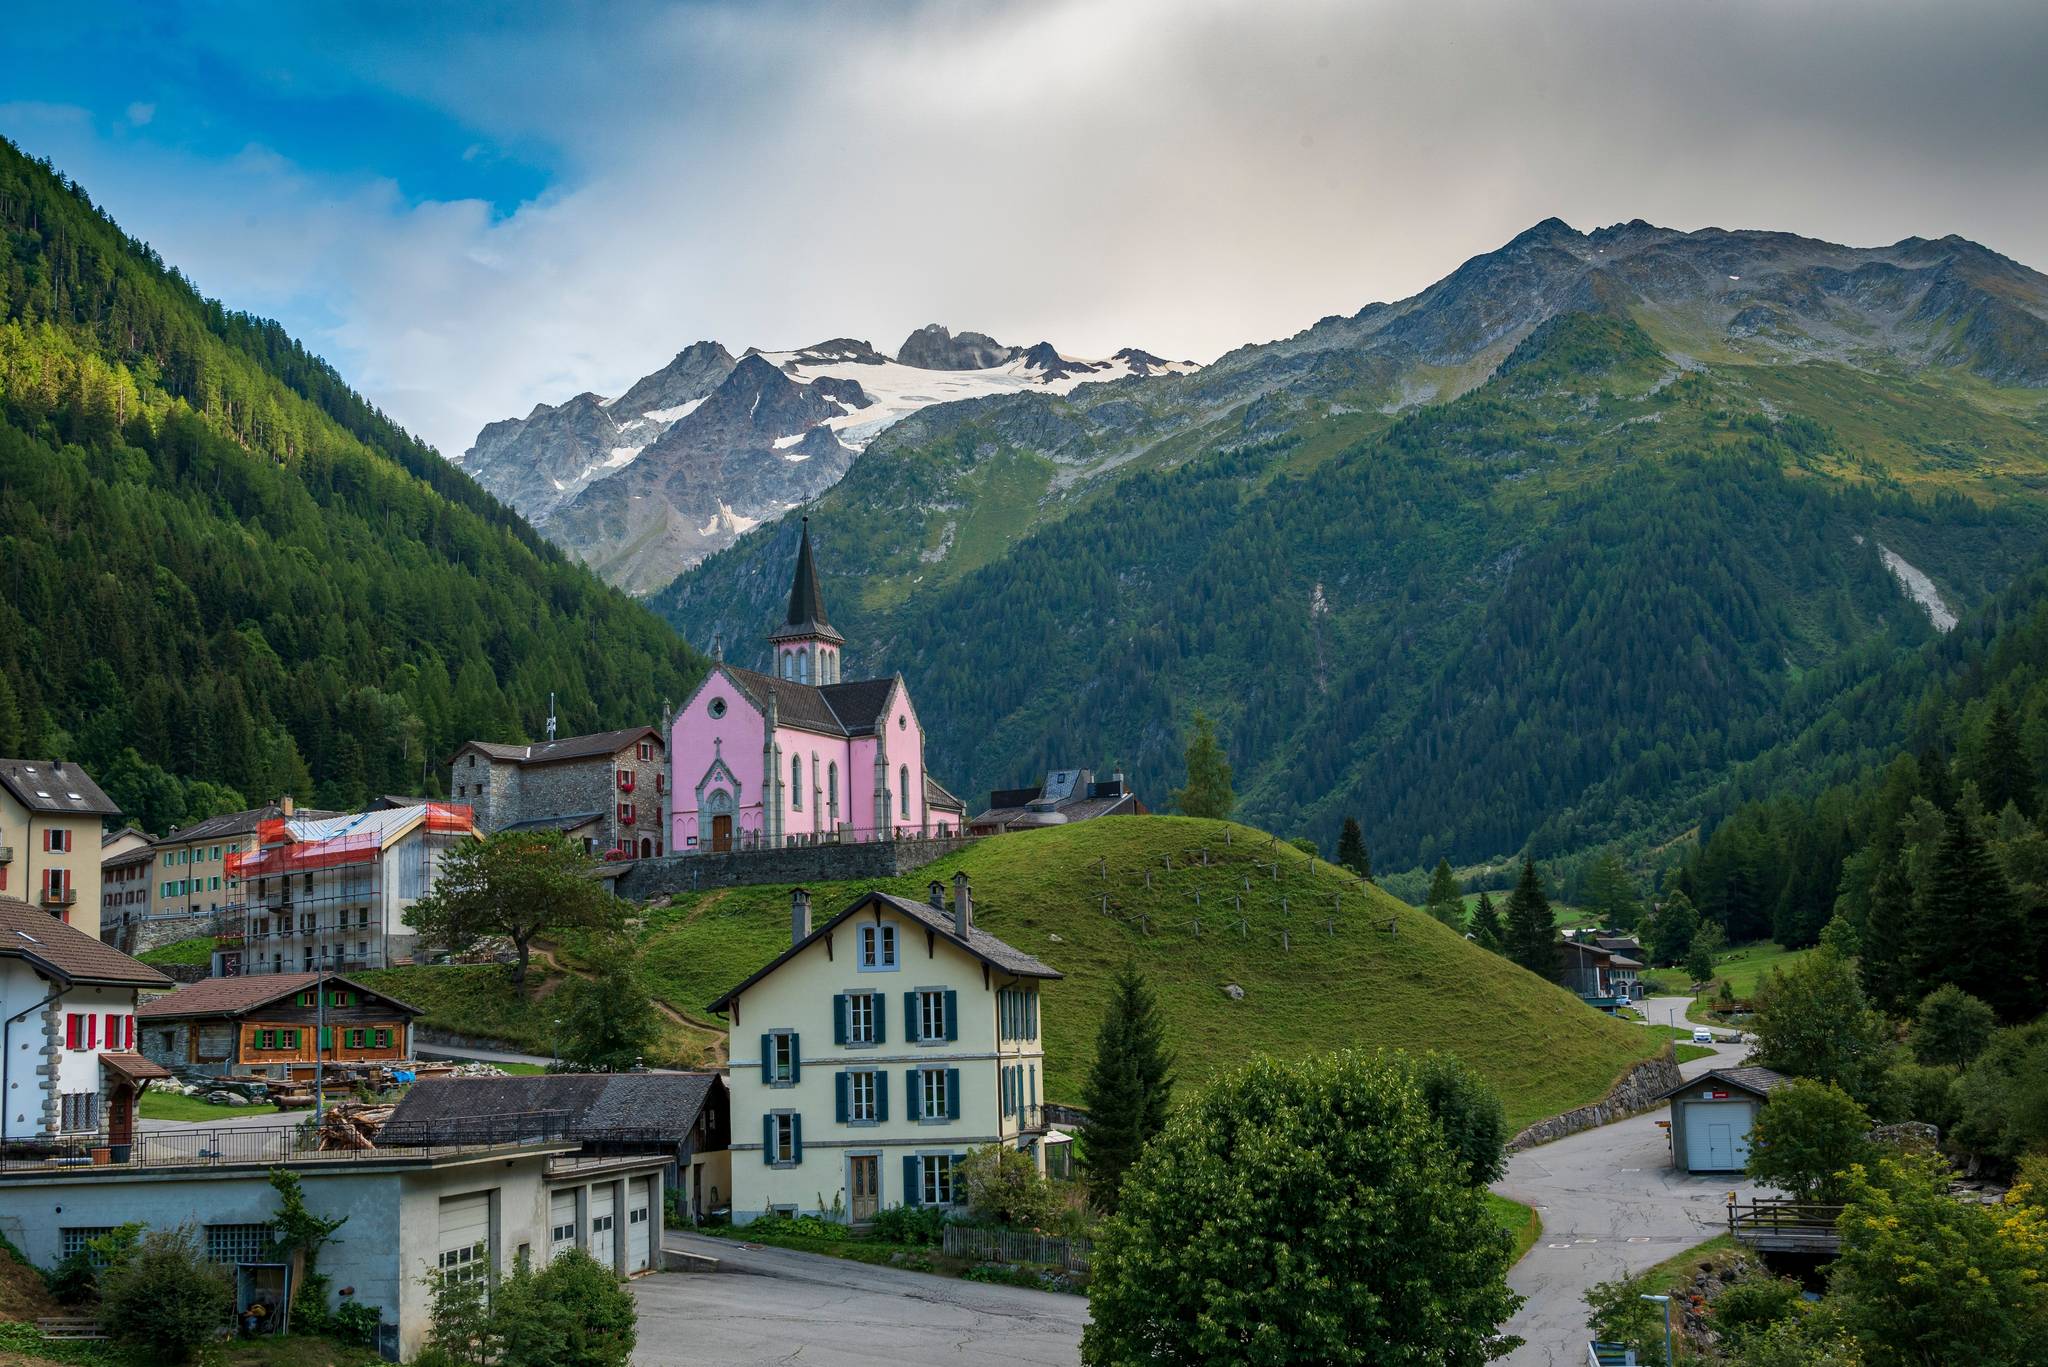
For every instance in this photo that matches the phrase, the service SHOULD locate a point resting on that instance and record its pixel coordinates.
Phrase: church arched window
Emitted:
(903, 789)
(796, 783)
(832, 790)
(803, 666)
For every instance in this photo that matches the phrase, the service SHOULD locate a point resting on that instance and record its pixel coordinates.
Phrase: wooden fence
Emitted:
(1013, 1246)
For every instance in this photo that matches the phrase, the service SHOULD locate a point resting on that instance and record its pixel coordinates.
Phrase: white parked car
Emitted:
(1702, 1035)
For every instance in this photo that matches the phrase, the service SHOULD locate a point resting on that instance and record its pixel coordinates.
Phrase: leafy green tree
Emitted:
(1672, 930)
(2001, 1099)
(1486, 926)
(1474, 1122)
(517, 884)
(1446, 899)
(1208, 783)
(1812, 1020)
(571, 1313)
(1531, 930)
(1351, 851)
(1922, 1276)
(609, 1021)
(166, 1299)
(1129, 1086)
(1350, 1232)
(1951, 1026)
(1807, 1138)
(1699, 959)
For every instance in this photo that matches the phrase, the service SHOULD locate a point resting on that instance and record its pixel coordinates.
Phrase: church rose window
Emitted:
(717, 708)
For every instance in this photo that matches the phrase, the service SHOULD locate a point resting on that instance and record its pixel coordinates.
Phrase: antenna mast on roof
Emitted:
(551, 717)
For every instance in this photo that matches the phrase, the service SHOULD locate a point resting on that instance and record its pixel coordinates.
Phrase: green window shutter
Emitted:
(913, 1096)
(910, 1022)
(839, 1097)
(913, 1185)
(768, 1139)
(839, 1018)
(796, 1057)
(796, 1139)
(1031, 1030)
(952, 1014)
(952, 1094)
(881, 999)
(767, 1058)
(326, 1037)
(881, 1094)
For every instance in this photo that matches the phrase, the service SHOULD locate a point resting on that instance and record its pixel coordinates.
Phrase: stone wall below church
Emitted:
(644, 880)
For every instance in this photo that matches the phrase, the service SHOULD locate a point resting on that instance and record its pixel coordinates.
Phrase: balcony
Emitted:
(6, 854)
(1031, 1119)
(60, 897)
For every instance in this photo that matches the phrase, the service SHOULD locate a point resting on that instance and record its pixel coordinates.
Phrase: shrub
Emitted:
(1919, 1091)
(76, 1279)
(1755, 1303)
(1951, 1026)
(2002, 1097)
(165, 1298)
(918, 1226)
(1619, 1314)
(1806, 1137)
(1471, 1116)
(1003, 1185)
(571, 1313)
(355, 1322)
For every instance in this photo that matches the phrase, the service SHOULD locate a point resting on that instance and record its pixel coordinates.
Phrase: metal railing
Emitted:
(6, 854)
(60, 897)
(270, 1145)
(743, 842)
(1031, 1119)
(1782, 1224)
(1017, 1246)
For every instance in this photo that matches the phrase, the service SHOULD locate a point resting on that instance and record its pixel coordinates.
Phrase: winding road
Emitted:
(1612, 1205)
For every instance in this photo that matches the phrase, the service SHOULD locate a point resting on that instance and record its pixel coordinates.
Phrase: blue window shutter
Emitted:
(768, 1139)
(952, 1014)
(796, 1139)
(881, 999)
(913, 1186)
(839, 1018)
(952, 1094)
(881, 1093)
(913, 1096)
(796, 1056)
(910, 1022)
(767, 1058)
(839, 1097)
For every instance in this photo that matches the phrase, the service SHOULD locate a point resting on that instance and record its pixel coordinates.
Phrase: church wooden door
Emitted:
(721, 834)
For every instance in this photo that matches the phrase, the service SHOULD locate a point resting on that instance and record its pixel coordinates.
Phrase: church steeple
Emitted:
(806, 646)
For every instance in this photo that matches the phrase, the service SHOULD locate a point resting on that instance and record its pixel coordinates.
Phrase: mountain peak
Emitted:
(1550, 231)
(932, 347)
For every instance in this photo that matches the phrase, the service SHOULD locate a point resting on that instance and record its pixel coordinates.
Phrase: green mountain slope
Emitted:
(224, 576)
(1342, 978)
(1536, 558)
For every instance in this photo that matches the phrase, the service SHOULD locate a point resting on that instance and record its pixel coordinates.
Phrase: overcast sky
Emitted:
(471, 209)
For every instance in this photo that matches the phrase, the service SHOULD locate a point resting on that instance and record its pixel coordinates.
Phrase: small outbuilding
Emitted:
(1712, 1115)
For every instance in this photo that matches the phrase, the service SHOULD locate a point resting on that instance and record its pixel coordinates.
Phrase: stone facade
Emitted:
(508, 790)
(171, 1043)
(647, 879)
(1639, 1089)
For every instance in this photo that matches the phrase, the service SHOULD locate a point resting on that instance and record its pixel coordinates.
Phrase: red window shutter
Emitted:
(72, 1030)
(92, 1031)
(128, 1035)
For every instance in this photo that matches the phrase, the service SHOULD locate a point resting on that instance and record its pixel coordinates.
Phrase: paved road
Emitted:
(1611, 1205)
(777, 1306)
(429, 1049)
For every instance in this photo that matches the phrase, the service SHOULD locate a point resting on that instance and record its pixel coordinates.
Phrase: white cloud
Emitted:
(1181, 176)
(140, 113)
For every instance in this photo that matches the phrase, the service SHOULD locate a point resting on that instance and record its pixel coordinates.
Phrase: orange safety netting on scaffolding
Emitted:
(282, 854)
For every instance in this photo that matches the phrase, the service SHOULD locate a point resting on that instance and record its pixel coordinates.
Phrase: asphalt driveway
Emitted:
(771, 1305)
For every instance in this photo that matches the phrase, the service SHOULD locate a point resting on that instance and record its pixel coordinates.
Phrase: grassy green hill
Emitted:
(1420, 987)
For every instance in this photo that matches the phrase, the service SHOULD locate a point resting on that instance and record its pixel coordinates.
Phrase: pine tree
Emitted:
(1612, 893)
(1486, 927)
(1351, 851)
(1672, 929)
(2004, 773)
(1208, 789)
(1887, 957)
(1446, 901)
(1969, 924)
(1128, 1088)
(1531, 927)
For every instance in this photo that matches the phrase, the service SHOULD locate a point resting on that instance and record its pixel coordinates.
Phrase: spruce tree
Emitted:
(1486, 927)
(1672, 930)
(1969, 923)
(1129, 1086)
(2004, 773)
(1531, 927)
(1208, 788)
(1351, 851)
(1887, 954)
(1446, 901)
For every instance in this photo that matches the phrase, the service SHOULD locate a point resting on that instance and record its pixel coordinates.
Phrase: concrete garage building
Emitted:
(466, 1210)
(1711, 1117)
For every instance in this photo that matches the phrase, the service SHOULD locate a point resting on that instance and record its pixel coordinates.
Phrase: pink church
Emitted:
(801, 756)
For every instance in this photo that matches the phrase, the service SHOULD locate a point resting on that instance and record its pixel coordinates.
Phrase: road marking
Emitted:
(1585, 1241)
(1560, 1245)
(1639, 1239)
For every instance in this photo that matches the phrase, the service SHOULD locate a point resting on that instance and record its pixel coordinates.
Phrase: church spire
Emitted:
(806, 646)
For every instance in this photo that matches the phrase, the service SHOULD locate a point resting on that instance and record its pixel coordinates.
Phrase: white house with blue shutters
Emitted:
(874, 1052)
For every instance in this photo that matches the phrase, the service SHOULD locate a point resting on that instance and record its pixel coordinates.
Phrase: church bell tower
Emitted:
(806, 647)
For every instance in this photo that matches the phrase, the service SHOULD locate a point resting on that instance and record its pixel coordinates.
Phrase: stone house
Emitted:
(609, 789)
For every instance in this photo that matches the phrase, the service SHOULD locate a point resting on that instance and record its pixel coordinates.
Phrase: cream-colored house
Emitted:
(871, 1055)
(51, 818)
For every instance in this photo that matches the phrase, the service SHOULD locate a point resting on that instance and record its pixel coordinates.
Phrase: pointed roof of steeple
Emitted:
(806, 615)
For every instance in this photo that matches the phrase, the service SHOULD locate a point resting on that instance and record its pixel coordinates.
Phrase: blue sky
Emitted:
(471, 208)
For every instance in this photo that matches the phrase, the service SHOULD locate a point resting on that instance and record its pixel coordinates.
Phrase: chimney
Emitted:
(938, 894)
(963, 906)
(799, 916)
(284, 804)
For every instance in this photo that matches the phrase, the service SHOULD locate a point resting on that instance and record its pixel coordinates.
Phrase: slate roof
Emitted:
(572, 821)
(141, 854)
(65, 789)
(979, 943)
(596, 1103)
(592, 746)
(239, 823)
(1756, 1081)
(841, 709)
(237, 996)
(66, 952)
(935, 795)
(806, 615)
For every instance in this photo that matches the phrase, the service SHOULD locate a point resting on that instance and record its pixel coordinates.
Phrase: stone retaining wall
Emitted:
(644, 880)
(1637, 1090)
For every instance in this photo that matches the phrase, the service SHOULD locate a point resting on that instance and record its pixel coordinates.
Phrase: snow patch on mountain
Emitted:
(1919, 588)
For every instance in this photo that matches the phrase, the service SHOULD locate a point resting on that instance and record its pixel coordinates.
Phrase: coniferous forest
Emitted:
(224, 576)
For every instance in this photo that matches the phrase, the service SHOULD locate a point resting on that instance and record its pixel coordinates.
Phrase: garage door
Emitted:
(638, 1226)
(561, 1221)
(1717, 1136)
(601, 1222)
(463, 1243)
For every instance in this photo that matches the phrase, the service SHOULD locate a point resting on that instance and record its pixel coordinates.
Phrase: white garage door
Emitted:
(1716, 1135)
(463, 1244)
(638, 1226)
(601, 1223)
(561, 1221)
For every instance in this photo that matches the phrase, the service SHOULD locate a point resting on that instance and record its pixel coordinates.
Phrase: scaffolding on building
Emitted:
(320, 895)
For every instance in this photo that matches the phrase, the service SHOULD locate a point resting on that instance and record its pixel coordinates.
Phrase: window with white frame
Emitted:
(931, 1014)
(465, 1264)
(782, 1056)
(937, 1178)
(877, 948)
(561, 1236)
(860, 1018)
(782, 1140)
(860, 1099)
(931, 1091)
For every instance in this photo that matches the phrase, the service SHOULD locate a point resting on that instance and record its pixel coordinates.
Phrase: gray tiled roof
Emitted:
(239, 823)
(43, 785)
(935, 795)
(595, 745)
(1759, 1081)
(33, 934)
(233, 996)
(595, 1102)
(841, 709)
(572, 821)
